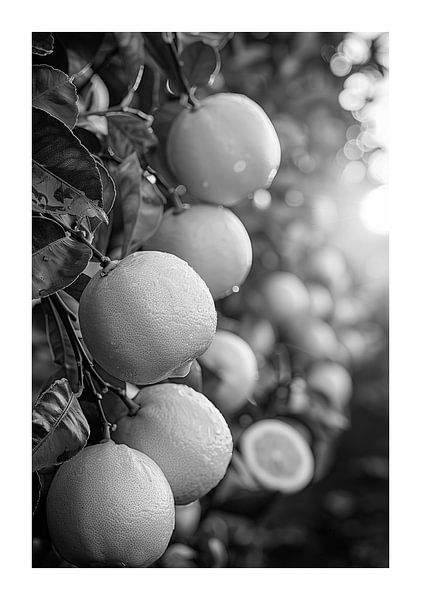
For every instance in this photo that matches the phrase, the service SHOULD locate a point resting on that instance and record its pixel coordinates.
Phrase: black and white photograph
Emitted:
(210, 300)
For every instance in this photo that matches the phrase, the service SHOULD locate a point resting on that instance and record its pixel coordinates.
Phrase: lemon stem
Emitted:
(165, 188)
(180, 75)
(105, 425)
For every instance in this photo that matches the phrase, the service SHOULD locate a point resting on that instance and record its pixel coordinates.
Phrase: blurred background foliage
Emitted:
(325, 220)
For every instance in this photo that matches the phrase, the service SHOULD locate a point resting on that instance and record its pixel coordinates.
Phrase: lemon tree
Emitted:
(195, 330)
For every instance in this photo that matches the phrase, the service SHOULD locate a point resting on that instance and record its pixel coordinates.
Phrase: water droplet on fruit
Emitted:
(235, 289)
(240, 166)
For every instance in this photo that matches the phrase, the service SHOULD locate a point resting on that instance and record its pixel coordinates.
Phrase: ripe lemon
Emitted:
(212, 240)
(327, 265)
(277, 455)
(148, 319)
(315, 338)
(285, 298)
(184, 434)
(234, 363)
(259, 334)
(223, 150)
(321, 300)
(332, 380)
(110, 506)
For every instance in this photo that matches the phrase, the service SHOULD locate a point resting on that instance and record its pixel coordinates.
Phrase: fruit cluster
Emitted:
(144, 320)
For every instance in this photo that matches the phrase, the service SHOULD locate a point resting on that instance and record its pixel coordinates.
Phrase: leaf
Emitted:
(59, 427)
(57, 59)
(76, 288)
(200, 63)
(142, 205)
(88, 139)
(163, 56)
(57, 265)
(66, 177)
(108, 196)
(60, 346)
(44, 232)
(102, 236)
(42, 43)
(128, 133)
(53, 92)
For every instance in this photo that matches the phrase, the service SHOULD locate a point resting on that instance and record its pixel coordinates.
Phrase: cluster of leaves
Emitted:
(95, 192)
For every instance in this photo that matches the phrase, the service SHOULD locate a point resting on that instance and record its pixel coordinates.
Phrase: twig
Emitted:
(165, 188)
(119, 109)
(87, 364)
(79, 236)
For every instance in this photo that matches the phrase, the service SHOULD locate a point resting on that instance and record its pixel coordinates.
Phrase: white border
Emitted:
(18, 22)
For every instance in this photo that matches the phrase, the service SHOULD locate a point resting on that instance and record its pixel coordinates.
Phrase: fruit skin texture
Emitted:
(224, 150)
(213, 241)
(110, 506)
(285, 298)
(184, 434)
(235, 364)
(151, 316)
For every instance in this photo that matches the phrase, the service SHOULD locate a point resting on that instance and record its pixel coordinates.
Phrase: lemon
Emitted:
(184, 434)
(148, 319)
(212, 240)
(110, 506)
(277, 455)
(223, 150)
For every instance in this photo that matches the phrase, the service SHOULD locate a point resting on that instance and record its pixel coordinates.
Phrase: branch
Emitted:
(80, 237)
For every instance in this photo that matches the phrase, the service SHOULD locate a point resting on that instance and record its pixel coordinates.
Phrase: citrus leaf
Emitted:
(141, 203)
(44, 232)
(76, 288)
(161, 53)
(200, 63)
(60, 346)
(53, 92)
(66, 177)
(89, 139)
(108, 196)
(42, 43)
(59, 427)
(57, 265)
(128, 133)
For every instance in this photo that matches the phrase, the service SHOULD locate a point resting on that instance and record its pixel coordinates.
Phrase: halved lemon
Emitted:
(277, 455)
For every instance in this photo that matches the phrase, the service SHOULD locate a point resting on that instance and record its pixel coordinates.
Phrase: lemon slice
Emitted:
(277, 455)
